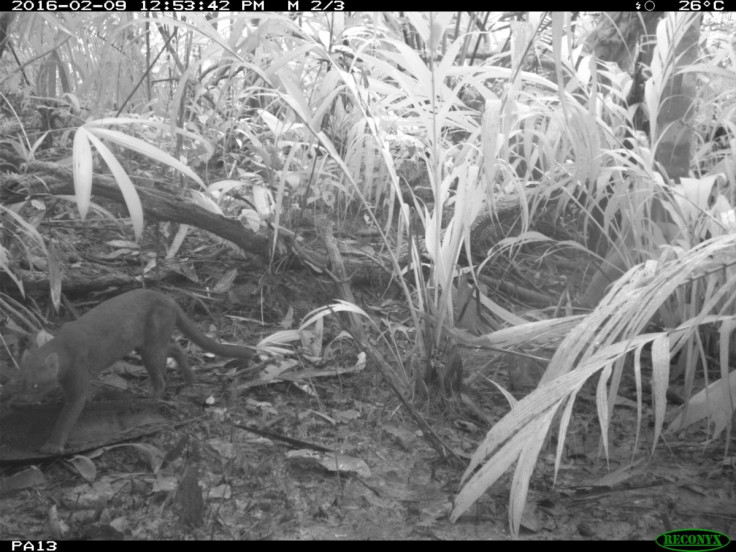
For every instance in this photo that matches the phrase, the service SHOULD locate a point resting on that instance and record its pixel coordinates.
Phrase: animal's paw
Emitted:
(52, 448)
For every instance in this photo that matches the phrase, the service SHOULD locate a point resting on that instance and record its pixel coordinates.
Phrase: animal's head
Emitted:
(38, 375)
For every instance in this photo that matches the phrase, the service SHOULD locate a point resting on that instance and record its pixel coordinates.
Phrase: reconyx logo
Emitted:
(691, 540)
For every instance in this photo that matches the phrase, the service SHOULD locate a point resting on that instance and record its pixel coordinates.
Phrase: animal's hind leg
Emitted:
(178, 354)
(154, 359)
(159, 327)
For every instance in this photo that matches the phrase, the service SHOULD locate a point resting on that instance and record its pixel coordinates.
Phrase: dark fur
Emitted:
(143, 320)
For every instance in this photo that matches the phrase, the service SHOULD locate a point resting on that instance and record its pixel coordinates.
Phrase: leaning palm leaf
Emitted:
(598, 344)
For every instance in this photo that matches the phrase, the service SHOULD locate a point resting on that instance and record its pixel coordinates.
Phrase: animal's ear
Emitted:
(33, 341)
(50, 366)
(52, 362)
(41, 339)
